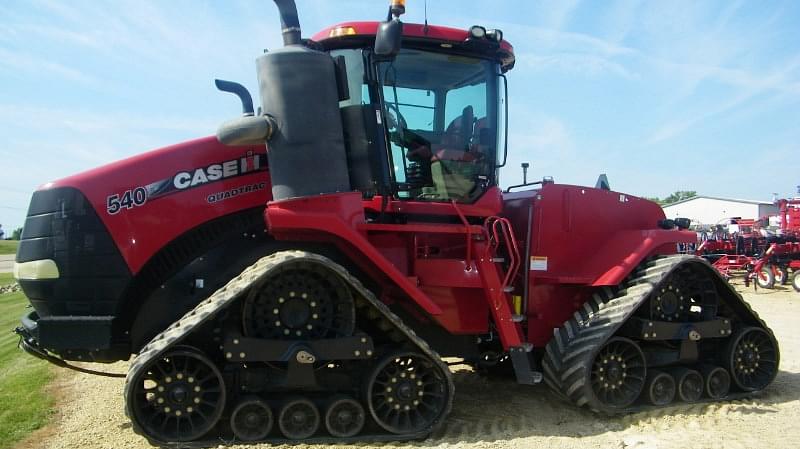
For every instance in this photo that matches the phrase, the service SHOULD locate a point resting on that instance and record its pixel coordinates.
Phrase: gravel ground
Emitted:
(489, 414)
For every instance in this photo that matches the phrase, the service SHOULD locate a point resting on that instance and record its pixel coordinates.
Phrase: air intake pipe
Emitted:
(299, 118)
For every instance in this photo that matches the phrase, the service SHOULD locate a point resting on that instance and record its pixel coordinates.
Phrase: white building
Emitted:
(709, 210)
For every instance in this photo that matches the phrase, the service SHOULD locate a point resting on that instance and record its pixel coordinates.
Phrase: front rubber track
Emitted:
(235, 289)
(571, 351)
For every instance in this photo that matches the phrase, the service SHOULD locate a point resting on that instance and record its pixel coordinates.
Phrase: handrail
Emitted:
(498, 226)
(468, 233)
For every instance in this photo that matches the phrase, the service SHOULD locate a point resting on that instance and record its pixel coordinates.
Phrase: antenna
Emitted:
(425, 29)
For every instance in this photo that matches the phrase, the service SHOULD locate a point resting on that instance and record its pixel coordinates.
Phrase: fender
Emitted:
(630, 248)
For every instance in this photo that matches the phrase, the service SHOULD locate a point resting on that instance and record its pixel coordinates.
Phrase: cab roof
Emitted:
(360, 33)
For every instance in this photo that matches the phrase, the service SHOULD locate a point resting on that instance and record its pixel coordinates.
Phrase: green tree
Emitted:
(680, 195)
(674, 197)
(16, 234)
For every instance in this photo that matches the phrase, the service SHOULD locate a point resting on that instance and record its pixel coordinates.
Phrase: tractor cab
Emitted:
(427, 123)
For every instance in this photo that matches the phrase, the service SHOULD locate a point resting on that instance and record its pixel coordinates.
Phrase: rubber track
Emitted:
(233, 290)
(570, 352)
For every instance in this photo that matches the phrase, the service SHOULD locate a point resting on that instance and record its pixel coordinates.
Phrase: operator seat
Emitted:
(453, 163)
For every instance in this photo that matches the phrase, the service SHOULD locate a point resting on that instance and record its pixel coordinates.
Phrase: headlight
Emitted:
(495, 35)
(478, 32)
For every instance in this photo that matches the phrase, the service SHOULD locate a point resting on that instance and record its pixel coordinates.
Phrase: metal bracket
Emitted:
(652, 330)
(522, 359)
(246, 349)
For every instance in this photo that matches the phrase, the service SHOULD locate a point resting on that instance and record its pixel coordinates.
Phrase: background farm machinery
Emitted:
(747, 248)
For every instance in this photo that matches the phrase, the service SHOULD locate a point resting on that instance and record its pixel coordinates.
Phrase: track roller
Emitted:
(717, 381)
(345, 417)
(298, 419)
(251, 420)
(689, 384)
(660, 387)
(752, 359)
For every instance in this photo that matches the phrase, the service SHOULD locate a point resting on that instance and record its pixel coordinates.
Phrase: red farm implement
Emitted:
(775, 265)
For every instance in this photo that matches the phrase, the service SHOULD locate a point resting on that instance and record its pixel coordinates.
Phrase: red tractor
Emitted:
(301, 275)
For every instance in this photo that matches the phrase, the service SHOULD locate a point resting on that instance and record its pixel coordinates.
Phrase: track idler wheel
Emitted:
(752, 359)
(660, 388)
(689, 384)
(179, 397)
(717, 382)
(345, 418)
(251, 420)
(298, 419)
(618, 374)
(407, 393)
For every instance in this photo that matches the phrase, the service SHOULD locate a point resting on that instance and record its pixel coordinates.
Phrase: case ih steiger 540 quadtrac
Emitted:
(301, 275)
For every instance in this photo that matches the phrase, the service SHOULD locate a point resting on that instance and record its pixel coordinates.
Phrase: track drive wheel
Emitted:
(345, 417)
(251, 420)
(765, 278)
(618, 375)
(796, 280)
(298, 419)
(301, 301)
(752, 358)
(407, 393)
(180, 396)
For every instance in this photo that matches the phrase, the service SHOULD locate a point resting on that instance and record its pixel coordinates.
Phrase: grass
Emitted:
(24, 404)
(6, 278)
(8, 246)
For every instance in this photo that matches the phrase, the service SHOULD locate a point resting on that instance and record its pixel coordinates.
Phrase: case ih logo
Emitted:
(187, 179)
(215, 172)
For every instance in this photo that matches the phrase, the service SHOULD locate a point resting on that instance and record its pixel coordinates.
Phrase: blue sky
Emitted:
(659, 95)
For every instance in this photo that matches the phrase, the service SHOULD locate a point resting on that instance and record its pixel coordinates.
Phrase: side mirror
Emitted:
(388, 39)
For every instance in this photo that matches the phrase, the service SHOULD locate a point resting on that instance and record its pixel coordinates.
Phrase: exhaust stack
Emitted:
(290, 24)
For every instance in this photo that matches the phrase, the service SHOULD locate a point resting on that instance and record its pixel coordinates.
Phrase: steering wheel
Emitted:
(397, 121)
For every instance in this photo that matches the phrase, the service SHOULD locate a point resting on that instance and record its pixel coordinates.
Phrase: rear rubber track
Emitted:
(571, 351)
(235, 289)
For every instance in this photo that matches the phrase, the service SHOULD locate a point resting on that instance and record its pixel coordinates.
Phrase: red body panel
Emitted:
(589, 237)
(141, 231)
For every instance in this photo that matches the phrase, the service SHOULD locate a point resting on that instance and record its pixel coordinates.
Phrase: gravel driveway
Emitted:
(502, 414)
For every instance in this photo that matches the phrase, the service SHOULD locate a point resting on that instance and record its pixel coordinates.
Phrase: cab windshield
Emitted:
(441, 114)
